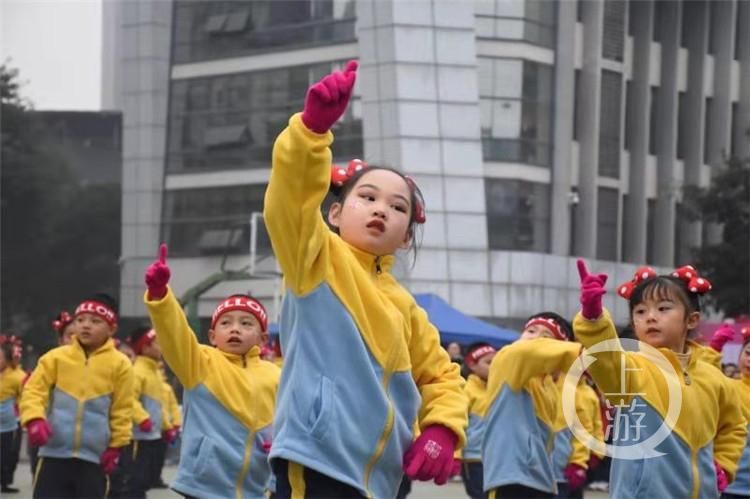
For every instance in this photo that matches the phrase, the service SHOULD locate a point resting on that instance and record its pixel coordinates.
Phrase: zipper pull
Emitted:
(687, 377)
(378, 270)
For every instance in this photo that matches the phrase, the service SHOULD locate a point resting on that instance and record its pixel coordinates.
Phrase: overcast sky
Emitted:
(56, 45)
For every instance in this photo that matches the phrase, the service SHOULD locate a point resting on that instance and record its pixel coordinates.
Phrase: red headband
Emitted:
(550, 324)
(476, 354)
(60, 324)
(340, 176)
(143, 341)
(241, 303)
(695, 284)
(98, 309)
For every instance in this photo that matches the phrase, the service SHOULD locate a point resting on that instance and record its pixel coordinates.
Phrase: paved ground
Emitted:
(453, 490)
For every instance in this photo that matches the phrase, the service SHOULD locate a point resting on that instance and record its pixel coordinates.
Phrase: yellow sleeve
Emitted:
(139, 414)
(606, 370)
(174, 407)
(731, 433)
(579, 452)
(708, 354)
(300, 179)
(438, 379)
(179, 345)
(121, 411)
(597, 424)
(35, 396)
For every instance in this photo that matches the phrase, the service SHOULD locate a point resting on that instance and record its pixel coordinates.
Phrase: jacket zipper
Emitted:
(378, 268)
(380, 447)
(245, 465)
(79, 416)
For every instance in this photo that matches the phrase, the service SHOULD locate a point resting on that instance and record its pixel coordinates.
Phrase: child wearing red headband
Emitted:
(699, 453)
(477, 359)
(77, 406)
(230, 392)
(520, 409)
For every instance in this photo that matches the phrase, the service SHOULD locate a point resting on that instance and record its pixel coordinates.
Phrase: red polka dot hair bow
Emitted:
(62, 321)
(695, 283)
(643, 273)
(745, 332)
(340, 175)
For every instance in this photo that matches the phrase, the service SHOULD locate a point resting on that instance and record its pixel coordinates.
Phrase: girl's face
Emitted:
(663, 322)
(375, 215)
(745, 360)
(482, 367)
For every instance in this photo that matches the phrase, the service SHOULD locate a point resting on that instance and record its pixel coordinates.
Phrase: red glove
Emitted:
(722, 480)
(592, 290)
(326, 100)
(170, 435)
(431, 455)
(109, 460)
(575, 475)
(267, 446)
(39, 431)
(146, 425)
(157, 275)
(721, 337)
(594, 462)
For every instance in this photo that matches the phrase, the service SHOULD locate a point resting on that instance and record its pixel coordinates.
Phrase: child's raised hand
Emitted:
(326, 100)
(157, 275)
(721, 337)
(430, 456)
(592, 290)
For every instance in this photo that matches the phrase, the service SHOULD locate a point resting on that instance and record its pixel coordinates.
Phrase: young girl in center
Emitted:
(700, 453)
(362, 362)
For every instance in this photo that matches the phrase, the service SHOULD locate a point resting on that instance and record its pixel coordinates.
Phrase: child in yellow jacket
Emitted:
(229, 392)
(77, 406)
(10, 392)
(170, 429)
(687, 450)
(520, 410)
(477, 359)
(362, 362)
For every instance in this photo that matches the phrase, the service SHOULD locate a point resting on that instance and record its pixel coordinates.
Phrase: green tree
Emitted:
(727, 264)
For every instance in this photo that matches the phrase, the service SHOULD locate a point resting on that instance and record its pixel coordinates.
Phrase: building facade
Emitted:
(538, 131)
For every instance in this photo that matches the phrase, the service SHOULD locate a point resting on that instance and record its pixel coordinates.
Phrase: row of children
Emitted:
(367, 395)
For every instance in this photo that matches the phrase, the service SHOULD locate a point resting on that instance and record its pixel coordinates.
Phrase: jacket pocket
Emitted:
(204, 453)
(321, 411)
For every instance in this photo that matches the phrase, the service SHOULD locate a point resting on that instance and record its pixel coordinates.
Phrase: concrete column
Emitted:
(666, 147)
(721, 115)
(637, 207)
(420, 103)
(742, 127)
(145, 68)
(696, 23)
(588, 107)
(564, 100)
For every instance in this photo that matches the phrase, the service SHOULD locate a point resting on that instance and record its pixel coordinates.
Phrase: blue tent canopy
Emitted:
(461, 328)
(453, 324)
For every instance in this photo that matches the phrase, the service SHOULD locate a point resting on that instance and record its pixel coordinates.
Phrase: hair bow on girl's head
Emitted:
(62, 321)
(419, 215)
(745, 332)
(340, 175)
(643, 273)
(695, 283)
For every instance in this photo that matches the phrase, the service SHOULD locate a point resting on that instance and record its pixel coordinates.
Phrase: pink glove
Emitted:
(722, 481)
(170, 435)
(594, 462)
(575, 475)
(146, 426)
(157, 275)
(431, 455)
(326, 100)
(721, 337)
(109, 460)
(592, 290)
(267, 446)
(39, 431)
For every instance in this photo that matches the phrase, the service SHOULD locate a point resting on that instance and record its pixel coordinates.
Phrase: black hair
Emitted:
(7, 349)
(107, 300)
(138, 333)
(340, 193)
(564, 324)
(665, 287)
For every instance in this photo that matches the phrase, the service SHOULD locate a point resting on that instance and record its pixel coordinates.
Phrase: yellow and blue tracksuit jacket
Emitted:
(87, 399)
(11, 385)
(149, 399)
(475, 390)
(567, 448)
(228, 403)
(710, 424)
(174, 417)
(741, 483)
(362, 362)
(520, 410)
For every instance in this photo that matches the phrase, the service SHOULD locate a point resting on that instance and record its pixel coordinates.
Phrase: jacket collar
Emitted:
(371, 262)
(150, 363)
(108, 345)
(252, 356)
